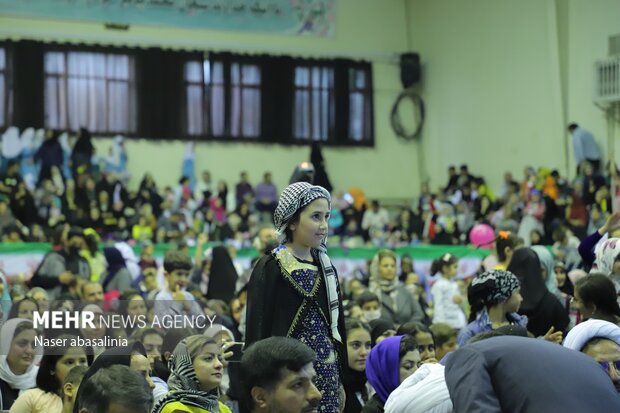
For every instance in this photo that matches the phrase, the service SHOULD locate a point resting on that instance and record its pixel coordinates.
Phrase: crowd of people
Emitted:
(536, 328)
(49, 179)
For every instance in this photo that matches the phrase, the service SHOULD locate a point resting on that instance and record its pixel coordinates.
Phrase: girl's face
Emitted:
(387, 268)
(616, 266)
(560, 276)
(514, 302)
(426, 346)
(450, 270)
(75, 356)
(136, 307)
(208, 366)
(312, 227)
(585, 309)
(409, 364)
(406, 265)
(21, 354)
(358, 346)
(26, 310)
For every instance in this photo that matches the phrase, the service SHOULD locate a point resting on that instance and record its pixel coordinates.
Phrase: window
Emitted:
(92, 90)
(360, 105)
(204, 84)
(313, 114)
(4, 90)
(245, 100)
(223, 99)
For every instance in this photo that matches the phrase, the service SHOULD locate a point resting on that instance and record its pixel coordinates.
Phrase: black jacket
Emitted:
(273, 304)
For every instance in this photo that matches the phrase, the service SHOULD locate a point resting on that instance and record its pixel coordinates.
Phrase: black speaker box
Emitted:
(410, 70)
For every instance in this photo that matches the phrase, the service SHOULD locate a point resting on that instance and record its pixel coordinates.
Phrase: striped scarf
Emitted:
(184, 385)
(295, 197)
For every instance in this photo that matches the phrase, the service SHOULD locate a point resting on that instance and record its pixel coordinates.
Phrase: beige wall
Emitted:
(501, 80)
(369, 29)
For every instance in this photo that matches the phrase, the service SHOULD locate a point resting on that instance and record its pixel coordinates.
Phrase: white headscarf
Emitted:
(11, 145)
(63, 139)
(578, 337)
(24, 381)
(27, 139)
(425, 391)
(131, 261)
(606, 254)
(39, 137)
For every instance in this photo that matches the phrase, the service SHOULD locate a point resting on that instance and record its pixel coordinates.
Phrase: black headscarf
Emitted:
(526, 266)
(222, 276)
(378, 327)
(115, 261)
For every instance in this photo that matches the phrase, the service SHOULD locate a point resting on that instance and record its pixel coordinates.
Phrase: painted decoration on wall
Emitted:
(297, 17)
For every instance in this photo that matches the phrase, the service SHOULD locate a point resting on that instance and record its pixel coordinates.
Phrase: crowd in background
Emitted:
(403, 329)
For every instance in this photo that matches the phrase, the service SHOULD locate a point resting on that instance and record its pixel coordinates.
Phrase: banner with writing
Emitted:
(297, 17)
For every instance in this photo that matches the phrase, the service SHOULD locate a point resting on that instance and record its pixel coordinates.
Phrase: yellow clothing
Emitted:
(140, 232)
(500, 266)
(178, 407)
(96, 263)
(37, 401)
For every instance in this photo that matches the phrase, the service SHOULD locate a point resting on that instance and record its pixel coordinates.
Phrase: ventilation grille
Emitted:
(614, 46)
(607, 80)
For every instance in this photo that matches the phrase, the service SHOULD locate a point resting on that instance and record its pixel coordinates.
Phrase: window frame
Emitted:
(132, 86)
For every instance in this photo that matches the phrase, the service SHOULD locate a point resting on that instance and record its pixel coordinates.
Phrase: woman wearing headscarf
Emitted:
(195, 376)
(5, 298)
(544, 311)
(388, 364)
(425, 391)
(546, 265)
(49, 155)
(397, 303)
(116, 278)
(218, 273)
(607, 260)
(56, 363)
(494, 297)
(82, 154)
(19, 360)
(294, 291)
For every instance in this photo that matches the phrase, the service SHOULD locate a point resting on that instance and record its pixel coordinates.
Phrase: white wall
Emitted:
(490, 84)
(369, 29)
(503, 78)
(590, 23)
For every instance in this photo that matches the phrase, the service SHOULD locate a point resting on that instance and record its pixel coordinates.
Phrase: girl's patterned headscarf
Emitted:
(293, 198)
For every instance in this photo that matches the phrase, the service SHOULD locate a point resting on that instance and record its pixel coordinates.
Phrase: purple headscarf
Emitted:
(383, 366)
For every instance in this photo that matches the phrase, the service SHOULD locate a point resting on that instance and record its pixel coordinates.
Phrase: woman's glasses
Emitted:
(605, 364)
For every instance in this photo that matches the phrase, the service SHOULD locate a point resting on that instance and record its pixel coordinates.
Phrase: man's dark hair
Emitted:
(177, 260)
(367, 297)
(118, 384)
(75, 375)
(263, 361)
(572, 127)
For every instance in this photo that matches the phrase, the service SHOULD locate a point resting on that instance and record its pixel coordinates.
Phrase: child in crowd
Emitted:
(447, 299)
(445, 339)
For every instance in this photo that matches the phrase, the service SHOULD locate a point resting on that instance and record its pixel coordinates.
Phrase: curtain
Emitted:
(92, 90)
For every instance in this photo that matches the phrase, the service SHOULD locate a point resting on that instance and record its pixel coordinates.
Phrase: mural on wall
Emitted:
(296, 17)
